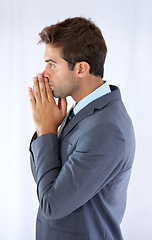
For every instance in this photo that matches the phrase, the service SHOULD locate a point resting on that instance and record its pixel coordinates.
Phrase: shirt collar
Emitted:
(99, 92)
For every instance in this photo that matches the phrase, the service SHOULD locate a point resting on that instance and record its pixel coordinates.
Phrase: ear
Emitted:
(82, 69)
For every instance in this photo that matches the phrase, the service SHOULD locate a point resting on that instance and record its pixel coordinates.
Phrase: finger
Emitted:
(48, 91)
(31, 98)
(42, 87)
(62, 104)
(36, 90)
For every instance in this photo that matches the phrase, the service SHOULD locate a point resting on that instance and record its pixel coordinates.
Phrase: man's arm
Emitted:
(46, 114)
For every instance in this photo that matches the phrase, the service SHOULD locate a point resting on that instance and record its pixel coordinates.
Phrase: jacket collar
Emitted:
(99, 103)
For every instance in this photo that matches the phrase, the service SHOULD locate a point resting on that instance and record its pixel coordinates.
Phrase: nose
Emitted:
(45, 73)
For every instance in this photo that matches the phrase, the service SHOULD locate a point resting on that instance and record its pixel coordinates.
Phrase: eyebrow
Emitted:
(49, 60)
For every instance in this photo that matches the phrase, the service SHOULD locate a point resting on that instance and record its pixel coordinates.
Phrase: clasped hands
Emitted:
(47, 115)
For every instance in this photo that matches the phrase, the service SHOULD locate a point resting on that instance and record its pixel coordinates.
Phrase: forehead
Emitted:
(52, 52)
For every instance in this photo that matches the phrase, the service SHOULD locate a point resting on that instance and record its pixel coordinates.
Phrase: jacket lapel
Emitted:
(77, 118)
(89, 110)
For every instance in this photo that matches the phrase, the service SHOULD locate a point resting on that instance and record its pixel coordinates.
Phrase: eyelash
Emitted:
(51, 65)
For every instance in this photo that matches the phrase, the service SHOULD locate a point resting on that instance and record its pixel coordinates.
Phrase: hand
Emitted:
(47, 115)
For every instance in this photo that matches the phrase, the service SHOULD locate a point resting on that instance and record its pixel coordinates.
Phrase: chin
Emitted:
(59, 95)
(56, 95)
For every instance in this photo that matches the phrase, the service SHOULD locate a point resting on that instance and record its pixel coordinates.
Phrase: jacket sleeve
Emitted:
(32, 163)
(96, 160)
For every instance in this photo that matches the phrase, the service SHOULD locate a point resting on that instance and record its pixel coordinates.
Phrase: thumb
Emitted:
(63, 106)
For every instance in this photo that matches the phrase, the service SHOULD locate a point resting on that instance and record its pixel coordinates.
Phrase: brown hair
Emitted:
(80, 40)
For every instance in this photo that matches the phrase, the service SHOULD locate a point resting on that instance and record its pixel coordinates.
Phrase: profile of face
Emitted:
(62, 80)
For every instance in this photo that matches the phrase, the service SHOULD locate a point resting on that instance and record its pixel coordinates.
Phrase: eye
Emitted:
(51, 65)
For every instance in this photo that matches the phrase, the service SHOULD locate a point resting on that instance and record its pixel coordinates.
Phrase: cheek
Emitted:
(61, 77)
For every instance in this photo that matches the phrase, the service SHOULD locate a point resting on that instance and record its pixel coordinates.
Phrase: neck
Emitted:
(87, 86)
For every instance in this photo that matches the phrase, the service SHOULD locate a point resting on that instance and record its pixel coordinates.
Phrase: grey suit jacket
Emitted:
(82, 175)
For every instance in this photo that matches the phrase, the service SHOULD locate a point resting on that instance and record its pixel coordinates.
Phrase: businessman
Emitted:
(81, 161)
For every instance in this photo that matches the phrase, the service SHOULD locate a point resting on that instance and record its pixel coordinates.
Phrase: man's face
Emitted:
(61, 79)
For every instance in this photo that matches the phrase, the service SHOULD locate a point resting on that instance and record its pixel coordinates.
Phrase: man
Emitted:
(81, 171)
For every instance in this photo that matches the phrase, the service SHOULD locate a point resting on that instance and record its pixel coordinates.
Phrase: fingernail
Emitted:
(29, 89)
(34, 79)
(39, 76)
(45, 79)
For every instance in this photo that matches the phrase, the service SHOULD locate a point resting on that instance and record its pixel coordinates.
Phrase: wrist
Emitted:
(45, 131)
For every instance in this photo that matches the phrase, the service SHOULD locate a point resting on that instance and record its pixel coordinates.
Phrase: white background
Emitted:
(127, 28)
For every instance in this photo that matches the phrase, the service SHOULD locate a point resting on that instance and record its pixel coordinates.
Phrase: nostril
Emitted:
(45, 76)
